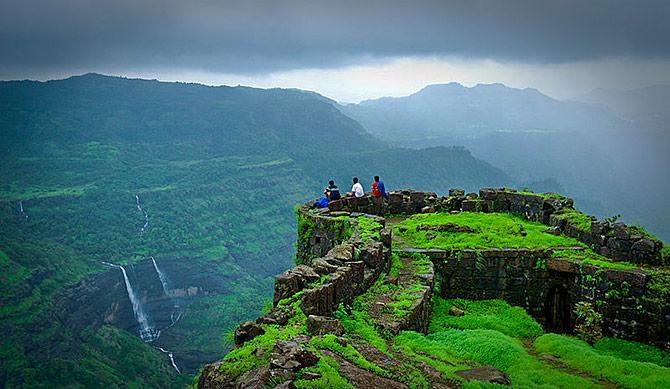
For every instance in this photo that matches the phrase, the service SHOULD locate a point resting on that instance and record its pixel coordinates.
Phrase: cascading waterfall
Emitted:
(173, 320)
(147, 333)
(161, 277)
(146, 215)
(176, 312)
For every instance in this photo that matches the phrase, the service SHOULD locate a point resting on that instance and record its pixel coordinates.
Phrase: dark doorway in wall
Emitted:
(557, 309)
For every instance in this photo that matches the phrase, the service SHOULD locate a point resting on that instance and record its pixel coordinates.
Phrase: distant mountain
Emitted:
(457, 111)
(646, 108)
(191, 188)
(608, 152)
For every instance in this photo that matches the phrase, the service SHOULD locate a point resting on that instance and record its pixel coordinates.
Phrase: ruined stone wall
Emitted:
(337, 263)
(613, 240)
(529, 278)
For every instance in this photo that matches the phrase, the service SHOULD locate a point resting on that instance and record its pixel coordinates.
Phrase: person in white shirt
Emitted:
(357, 189)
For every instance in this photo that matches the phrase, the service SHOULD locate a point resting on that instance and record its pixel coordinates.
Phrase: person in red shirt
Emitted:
(378, 189)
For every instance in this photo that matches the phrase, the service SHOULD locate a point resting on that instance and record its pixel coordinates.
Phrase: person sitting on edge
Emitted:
(378, 189)
(357, 189)
(332, 192)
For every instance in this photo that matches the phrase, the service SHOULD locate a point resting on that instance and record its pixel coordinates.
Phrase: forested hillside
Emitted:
(201, 179)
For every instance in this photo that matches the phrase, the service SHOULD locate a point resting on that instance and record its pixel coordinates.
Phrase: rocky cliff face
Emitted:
(103, 299)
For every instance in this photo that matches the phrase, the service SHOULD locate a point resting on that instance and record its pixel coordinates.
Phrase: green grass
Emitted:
(348, 352)
(634, 351)
(574, 217)
(491, 230)
(330, 377)
(369, 228)
(484, 314)
(589, 257)
(245, 358)
(548, 195)
(396, 264)
(625, 373)
(489, 347)
(358, 323)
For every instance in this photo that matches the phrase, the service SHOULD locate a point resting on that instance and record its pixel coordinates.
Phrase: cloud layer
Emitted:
(244, 37)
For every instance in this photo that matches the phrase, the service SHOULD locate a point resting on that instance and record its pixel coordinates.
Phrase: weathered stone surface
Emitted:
(247, 331)
(290, 282)
(255, 379)
(552, 230)
(428, 209)
(456, 192)
(453, 311)
(212, 378)
(321, 325)
(310, 376)
(485, 374)
(286, 385)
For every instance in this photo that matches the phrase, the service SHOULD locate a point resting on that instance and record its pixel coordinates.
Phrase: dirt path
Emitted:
(556, 363)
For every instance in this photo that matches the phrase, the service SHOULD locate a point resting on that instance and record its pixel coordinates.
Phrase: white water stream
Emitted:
(146, 215)
(171, 358)
(21, 211)
(161, 277)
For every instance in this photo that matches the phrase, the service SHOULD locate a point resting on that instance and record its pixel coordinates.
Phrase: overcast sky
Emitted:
(347, 50)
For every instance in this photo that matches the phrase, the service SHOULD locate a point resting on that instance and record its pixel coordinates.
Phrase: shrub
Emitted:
(589, 323)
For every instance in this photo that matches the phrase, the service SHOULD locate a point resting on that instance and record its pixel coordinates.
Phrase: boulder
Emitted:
(644, 245)
(335, 205)
(322, 325)
(286, 385)
(428, 209)
(247, 331)
(485, 374)
(453, 311)
(310, 376)
(552, 230)
(456, 192)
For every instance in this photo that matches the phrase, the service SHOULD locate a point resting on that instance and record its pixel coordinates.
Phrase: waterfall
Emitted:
(21, 211)
(147, 333)
(176, 312)
(171, 355)
(161, 277)
(146, 215)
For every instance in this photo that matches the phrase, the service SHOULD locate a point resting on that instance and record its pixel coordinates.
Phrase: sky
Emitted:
(346, 50)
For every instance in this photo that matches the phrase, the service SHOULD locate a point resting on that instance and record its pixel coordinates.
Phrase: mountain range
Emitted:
(609, 150)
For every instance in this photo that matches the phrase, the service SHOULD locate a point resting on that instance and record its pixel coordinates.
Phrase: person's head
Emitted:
(355, 180)
(376, 178)
(331, 183)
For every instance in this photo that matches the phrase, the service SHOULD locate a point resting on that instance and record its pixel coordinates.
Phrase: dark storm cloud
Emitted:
(256, 37)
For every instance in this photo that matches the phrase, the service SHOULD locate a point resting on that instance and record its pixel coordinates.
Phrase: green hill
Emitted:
(216, 172)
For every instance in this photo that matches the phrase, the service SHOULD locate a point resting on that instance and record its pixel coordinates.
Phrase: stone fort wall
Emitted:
(547, 287)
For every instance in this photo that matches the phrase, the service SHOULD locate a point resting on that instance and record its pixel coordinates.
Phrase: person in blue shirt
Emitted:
(378, 188)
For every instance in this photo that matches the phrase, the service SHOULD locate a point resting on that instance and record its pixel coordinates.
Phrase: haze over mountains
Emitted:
(609, 151)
